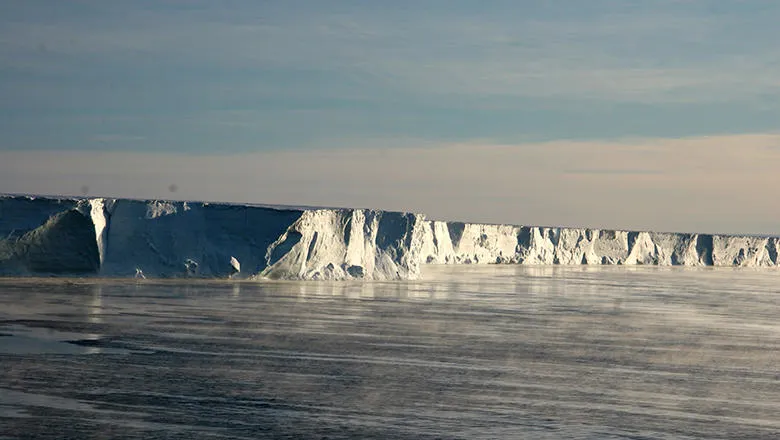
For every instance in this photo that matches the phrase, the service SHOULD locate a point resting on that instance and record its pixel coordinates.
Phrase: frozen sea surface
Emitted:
(468, 352)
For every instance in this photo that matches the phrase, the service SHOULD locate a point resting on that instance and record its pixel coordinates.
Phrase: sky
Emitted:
(659, 115)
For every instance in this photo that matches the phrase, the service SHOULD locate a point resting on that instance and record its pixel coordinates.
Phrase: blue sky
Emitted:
(249, 78)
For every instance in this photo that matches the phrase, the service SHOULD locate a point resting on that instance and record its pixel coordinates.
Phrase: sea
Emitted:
(467, 352)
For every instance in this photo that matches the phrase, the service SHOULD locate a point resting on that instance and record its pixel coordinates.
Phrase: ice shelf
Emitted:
(156, 238)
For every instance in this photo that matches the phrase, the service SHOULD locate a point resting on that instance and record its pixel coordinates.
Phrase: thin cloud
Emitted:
(668, 53)
(116, 138)
(614, 172)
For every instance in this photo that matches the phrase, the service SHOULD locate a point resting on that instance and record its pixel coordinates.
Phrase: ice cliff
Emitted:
(120, 237)
(144, 238)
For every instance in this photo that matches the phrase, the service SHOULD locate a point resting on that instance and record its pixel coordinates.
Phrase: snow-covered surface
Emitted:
(155, 238)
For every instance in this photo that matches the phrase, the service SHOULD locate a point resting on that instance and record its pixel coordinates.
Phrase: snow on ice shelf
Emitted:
(153, 238)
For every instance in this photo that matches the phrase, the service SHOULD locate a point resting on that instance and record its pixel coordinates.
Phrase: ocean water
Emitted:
(470, 352)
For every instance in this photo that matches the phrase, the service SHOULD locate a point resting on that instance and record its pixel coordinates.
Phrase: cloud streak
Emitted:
(665, 54)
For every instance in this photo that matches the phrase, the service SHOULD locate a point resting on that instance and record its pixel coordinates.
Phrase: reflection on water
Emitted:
(467, 352)
(95, 305)
(95, 315)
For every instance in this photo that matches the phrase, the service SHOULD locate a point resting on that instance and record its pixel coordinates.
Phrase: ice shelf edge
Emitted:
(158, 238)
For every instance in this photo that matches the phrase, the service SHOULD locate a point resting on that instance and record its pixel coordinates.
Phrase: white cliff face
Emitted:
(744, 251)
(489, 244)
(122, 237)
(346, 244)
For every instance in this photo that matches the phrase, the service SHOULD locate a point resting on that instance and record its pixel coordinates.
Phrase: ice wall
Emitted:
(194, 239)
(124, 238)
(347, 243)
(459, 243)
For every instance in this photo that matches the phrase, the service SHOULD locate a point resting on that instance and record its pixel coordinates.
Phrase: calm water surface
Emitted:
(469, 352)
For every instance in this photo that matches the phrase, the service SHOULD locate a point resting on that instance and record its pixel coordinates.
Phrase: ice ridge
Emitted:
(156, 238)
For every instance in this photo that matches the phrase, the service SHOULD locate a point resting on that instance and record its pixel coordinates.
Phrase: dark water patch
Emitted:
(56, 327)
(96, 342)
(31, 340)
